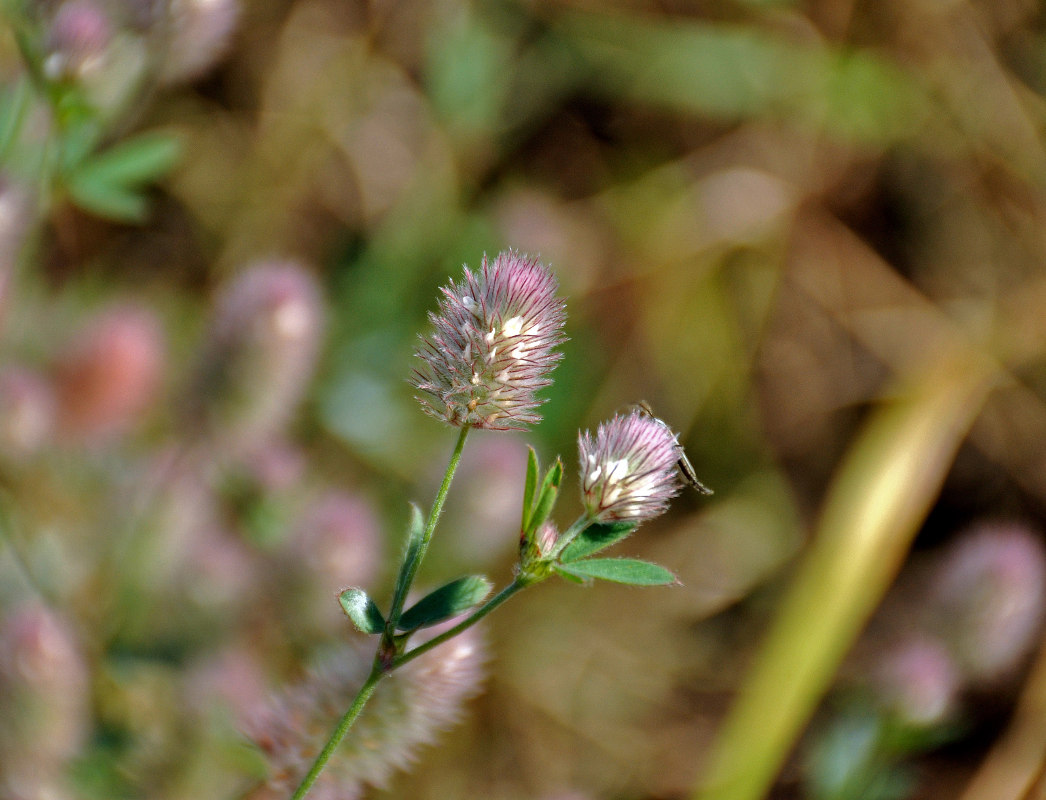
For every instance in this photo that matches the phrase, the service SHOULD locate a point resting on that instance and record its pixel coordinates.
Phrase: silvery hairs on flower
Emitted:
(628, 470)
(492, 346)
(427, 697)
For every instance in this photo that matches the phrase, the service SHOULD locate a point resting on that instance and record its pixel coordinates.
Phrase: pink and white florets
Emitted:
(492, 347)
(628, 470)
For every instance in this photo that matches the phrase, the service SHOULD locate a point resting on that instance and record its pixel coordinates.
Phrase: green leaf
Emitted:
(529, 487)
(448, 601)
(14, 103)
(595, 538)
(620, 570)
(415, 533)
(415, 528)
(107, 200)
(546, 497)
(733, 72)
(361, 610)
(572, 578)
(79, 139)
(140, 160)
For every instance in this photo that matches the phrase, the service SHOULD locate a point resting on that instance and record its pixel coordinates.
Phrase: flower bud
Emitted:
(628, 470)
(109, 375)
(492, 347)
(259, 353)
(987, 599)
(336, 543)
(545, 539)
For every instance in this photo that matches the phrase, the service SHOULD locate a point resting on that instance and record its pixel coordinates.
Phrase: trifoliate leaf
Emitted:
(529, 487)
(105, 199)
(137, 161)
(364, 614)
(546, 497)
(448, 601)
(595, 538)
(620, 570)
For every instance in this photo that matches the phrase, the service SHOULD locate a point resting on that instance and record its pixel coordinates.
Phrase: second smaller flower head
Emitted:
(628, 470)
(492, 347)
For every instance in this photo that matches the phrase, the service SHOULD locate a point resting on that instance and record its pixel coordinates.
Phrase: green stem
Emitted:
(569, 535)
(519, 583)
(364, 694)
(384, 663)
(411, 564)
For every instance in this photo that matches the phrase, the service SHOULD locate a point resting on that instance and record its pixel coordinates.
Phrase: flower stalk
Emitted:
(344, 725)
(416, 550)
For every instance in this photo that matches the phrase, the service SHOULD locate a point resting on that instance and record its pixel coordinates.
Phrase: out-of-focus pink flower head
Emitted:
(200, 32)
(917, 681)
(628, 469)
(232, 679)
(987, 598)
(77, 39)
(275, 465)
(339, 539)
(109, 374)
(492, 347)
(43, 700)
(27, 410)
(427, 696)
(259, 353)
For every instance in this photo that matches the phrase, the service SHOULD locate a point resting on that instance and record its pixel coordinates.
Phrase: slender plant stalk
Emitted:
(344, 724)
(410, 565)
(383, 664)
(569, 535)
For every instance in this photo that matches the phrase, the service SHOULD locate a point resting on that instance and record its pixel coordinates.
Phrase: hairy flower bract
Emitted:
(628, 470)
(492, 347)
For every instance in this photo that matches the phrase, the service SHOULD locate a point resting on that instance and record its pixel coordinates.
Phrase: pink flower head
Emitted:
(492, 347)
(628, 471)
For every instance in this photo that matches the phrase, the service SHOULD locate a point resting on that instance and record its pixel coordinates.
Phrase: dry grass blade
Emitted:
(877, 503)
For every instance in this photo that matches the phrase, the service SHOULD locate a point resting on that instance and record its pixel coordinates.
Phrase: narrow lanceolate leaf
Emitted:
(546, 498)
(415, 533)
(14, 103)
(529, 487)
(112, 201)
(361, 610)
(595, 538)
(136, 161)
(620, 570)
(415, 528)
(448, 601)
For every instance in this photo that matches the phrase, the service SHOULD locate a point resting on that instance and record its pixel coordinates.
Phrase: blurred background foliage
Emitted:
(810, 235)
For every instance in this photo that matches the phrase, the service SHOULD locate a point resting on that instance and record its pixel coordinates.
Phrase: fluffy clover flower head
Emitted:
(628, 470)
(492, 345)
